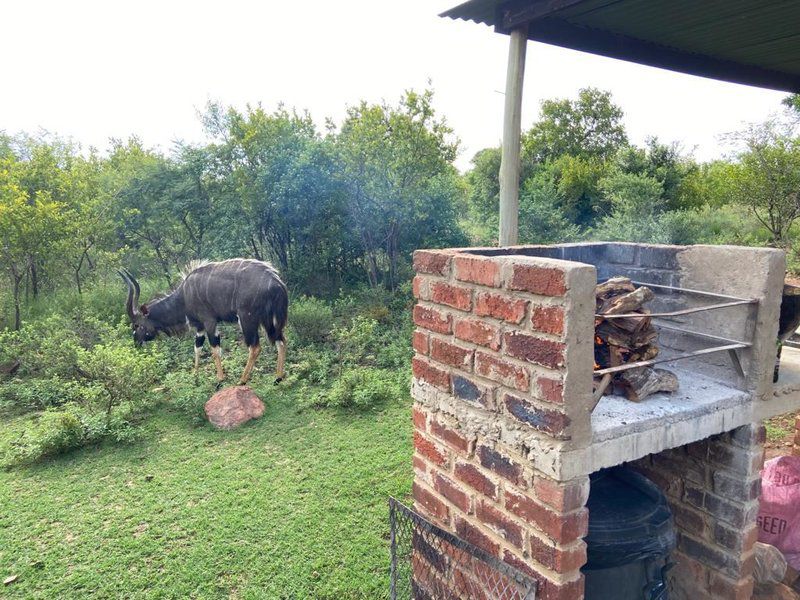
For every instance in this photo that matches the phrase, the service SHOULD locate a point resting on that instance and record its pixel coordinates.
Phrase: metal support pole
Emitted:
(512, 124)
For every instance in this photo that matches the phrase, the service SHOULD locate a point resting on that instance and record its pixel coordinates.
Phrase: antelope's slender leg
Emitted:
(281, 346)
(199, 339)
(217, 354)
(216, 351)
(251, 361)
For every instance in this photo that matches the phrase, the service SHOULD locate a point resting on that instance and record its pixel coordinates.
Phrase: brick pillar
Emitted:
(502, 383)
(713, 487)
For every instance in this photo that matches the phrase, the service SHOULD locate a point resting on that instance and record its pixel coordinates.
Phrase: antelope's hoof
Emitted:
(278, 380)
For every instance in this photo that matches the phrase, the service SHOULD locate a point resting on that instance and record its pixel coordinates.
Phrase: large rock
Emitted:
(232, 406)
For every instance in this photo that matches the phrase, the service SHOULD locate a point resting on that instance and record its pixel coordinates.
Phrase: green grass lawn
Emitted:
(293, 505)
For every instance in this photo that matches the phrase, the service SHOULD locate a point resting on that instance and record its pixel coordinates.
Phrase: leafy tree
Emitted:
(766, 178)
(576, 179)
(30, 229)
(283, 193)
(637, 203)
(589, 127)
(402, 189)
(541, 220)
(665, 164)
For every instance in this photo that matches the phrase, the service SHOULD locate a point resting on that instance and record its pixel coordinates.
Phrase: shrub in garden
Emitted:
(310, 320)
(125, 374)
(20, 396)
(188, 393)
(58, 431)
(362, 388)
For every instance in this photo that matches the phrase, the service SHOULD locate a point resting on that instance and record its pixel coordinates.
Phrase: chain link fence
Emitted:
(429, 563)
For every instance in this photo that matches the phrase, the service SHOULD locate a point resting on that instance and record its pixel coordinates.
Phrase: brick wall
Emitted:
(713, 488)
(497, 350)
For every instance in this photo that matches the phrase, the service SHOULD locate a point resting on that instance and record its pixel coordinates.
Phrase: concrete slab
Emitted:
(696, 397)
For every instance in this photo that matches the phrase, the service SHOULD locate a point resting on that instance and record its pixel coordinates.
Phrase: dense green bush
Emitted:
(310, 320)
(363, 388)
(188, 393)
(57, 431)
(125, 374)
(24, 395)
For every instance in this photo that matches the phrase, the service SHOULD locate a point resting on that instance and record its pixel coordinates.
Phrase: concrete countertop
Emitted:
(623, 431)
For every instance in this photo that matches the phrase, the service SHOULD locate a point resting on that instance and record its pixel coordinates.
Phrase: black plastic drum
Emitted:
(630, 537)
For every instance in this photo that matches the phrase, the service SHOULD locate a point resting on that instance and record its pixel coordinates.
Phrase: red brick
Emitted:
(451, 437)
(471, 534)
(501, 465)
(561, 528)
(550, 390)
(419, 418)
(547, 589)
(500, 523)
(477, 269)
(555, 558)
(432, 505)
(548, 421)
(451, 295)
(548, 319)
(502, 371)
(426, 372)
(478, 332)
(452, 492)
(473, 477)
(564, 497)
(432, 319)
(419, 341)
(450, 354)
(419, 464)
(533, 349)
(428, 449)
(501, 307)
(432, 261)
(544, 281)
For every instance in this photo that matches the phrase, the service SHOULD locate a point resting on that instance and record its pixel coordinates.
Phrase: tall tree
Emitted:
(767, 177)
(589, 127)
(29, 227)
(402, 186)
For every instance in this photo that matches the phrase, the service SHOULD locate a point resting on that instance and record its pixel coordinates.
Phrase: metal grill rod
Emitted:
(655, 361)
(695, 292)
(676, 313)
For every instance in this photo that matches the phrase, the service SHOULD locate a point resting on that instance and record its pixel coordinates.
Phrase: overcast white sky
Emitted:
(93, 70)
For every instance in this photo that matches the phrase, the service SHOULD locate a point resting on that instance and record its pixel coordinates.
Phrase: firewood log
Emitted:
(639, 383)
(627, 303)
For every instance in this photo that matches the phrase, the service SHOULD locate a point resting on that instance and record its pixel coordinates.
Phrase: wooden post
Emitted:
(512, 123)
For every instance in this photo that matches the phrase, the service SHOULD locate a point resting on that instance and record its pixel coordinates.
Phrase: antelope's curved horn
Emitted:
(135, 287)
(130, 303)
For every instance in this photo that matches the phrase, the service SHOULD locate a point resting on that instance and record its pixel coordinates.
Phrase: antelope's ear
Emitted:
(144, 310)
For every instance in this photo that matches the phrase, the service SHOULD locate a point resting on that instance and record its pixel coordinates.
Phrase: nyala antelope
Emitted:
(244, 290)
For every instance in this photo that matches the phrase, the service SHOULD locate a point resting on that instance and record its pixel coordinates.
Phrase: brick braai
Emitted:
(504, 438)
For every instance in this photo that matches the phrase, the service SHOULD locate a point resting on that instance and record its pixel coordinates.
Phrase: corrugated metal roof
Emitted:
(756, 42)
